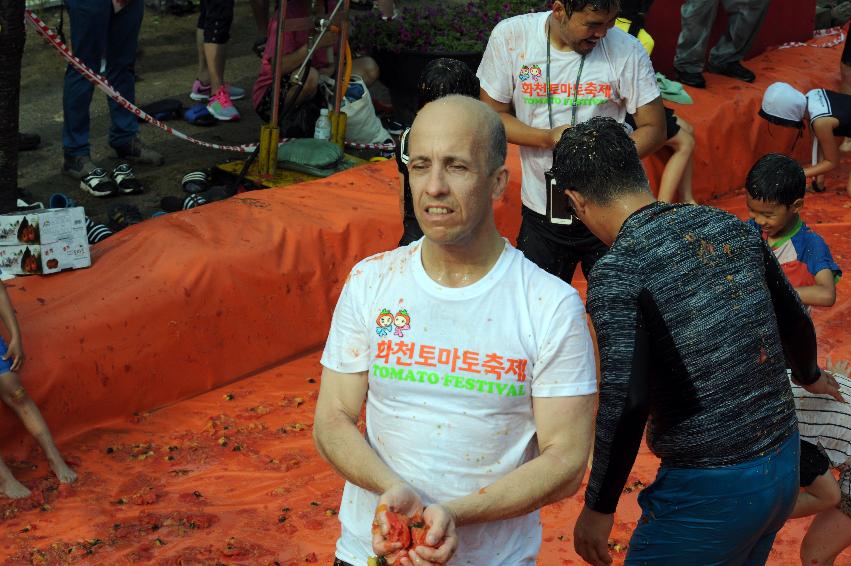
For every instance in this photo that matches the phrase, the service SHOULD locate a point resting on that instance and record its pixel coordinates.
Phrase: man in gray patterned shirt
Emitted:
(696, 325)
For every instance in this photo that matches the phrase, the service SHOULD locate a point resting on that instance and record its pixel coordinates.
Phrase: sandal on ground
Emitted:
(125, 179)
(174, 204)
(98, 183)
(122, 216)
(96, 232)
(195, 182)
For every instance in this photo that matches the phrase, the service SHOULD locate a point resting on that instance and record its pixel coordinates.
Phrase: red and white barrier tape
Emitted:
(102, 84)
(837, 31)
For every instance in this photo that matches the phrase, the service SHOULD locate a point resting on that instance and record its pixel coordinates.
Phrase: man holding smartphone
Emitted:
(547, 71)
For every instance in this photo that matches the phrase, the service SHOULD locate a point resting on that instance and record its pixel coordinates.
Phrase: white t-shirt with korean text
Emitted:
(452, 373)
(617, 78)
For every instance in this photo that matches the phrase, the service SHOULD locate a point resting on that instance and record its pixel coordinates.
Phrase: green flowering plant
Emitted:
(445, 28)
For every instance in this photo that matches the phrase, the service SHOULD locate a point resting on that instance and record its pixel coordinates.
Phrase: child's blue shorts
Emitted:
(5, 365)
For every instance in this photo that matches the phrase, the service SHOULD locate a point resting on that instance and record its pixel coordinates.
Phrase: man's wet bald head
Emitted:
(462, 115)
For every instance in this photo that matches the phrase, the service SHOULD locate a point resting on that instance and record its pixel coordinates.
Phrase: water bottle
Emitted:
(323, 126)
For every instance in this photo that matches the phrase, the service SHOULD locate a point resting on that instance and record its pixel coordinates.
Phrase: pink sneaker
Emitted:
(200, 91)
(221, 107)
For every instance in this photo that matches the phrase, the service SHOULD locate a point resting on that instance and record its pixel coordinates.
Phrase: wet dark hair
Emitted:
(572, 6)
(776, 178)
(598, 159)
(444, 76)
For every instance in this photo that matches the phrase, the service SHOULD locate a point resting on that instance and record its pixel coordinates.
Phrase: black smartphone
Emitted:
(559, 209)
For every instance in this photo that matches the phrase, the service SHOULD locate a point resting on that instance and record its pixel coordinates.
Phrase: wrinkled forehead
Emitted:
(438, 134)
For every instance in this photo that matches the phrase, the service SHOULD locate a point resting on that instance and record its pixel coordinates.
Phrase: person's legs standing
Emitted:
(89, 25)
(830, 532)
(122, 42)
(697, 17)
(744, 20)
(16, 398)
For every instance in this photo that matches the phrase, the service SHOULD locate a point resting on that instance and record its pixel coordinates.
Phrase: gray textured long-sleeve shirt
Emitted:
(696, 324)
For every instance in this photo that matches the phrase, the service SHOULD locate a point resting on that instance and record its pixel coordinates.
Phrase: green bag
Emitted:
(319, 158)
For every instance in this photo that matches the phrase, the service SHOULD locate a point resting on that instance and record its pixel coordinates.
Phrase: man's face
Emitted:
(451, 186)
(582, 30)
(773, 218)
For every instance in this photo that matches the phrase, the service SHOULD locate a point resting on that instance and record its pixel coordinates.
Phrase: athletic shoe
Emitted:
(221, 107)
(200, 91)
(126, 180)
(78, 167)
(96, 232)
(137, 152)
(734, 70)
(98, 183)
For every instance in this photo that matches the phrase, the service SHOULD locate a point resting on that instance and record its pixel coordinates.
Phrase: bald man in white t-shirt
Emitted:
(476, 366)
(589, 69)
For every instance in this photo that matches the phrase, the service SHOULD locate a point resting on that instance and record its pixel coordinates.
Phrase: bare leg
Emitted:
(17, 399)
(367, 68)
(845, 73)
(678, 170)
(829, 534)
(203, 74)
(819, 496)
(9, 486)
(215, 55)
(260, 10)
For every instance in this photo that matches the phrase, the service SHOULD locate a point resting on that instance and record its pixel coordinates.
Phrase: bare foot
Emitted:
(846, 145)
(14, 489)
(62, 471)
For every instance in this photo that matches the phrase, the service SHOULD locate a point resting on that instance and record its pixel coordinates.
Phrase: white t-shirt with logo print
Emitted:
(452, 373)
(617, 78)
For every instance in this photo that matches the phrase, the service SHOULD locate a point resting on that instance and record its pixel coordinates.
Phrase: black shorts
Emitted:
(557, 248)
(813, 463)
(338, 562)
(215, 19)
(846, 53)
(671, 126)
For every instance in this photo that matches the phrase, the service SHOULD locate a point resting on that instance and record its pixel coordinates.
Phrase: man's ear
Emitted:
(559, 8)
(501, 176)
(577, 201)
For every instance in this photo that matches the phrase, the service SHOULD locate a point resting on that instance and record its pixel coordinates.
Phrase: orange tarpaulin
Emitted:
(217, 314)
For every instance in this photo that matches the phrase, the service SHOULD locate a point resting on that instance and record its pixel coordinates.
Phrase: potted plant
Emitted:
(403, 45)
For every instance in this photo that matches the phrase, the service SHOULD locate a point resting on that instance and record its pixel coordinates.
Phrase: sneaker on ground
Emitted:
(200, 91)
(98, 183)
(126, 180)
(137, 152)
(96, 232)
(221, 107)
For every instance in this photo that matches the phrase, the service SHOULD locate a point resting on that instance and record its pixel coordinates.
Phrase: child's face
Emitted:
(774, 218)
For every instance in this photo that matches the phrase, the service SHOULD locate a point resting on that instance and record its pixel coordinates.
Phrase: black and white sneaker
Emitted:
(99, 184)
(96, 232)
(125, 179)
